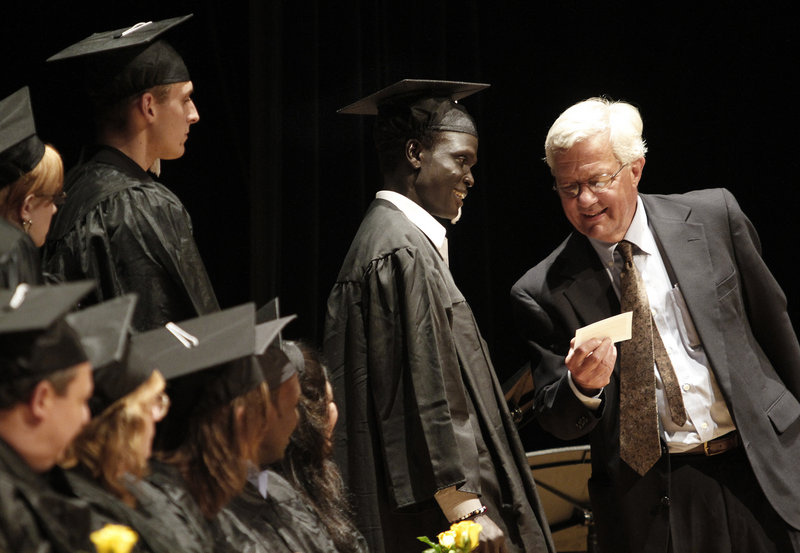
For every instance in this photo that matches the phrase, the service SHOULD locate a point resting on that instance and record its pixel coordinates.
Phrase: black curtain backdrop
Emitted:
(277, 182)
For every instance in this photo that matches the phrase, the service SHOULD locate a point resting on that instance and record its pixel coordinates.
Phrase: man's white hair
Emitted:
(618, 120)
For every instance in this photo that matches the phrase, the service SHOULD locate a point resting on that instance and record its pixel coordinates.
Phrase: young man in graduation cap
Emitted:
(45, 386)
(120, 226)
(426, 438)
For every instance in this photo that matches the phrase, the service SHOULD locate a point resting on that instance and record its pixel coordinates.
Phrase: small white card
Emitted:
(618, 328)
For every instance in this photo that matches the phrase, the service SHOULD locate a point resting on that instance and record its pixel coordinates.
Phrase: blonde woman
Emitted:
(107, 461)
(31, 180)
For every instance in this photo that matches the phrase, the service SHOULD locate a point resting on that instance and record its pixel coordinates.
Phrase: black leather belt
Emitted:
(714, 447)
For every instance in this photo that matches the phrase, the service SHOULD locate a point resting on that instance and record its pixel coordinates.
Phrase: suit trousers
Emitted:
(717, 506)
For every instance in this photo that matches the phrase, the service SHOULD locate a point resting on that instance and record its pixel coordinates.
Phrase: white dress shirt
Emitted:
(707, 413)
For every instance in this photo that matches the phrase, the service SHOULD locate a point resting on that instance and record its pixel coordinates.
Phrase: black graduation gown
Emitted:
(19, 257)
(282, 520)
(130, 234)
(163, 495)
(39, 512)
(155, 535)
(420, 406)
(244, 529)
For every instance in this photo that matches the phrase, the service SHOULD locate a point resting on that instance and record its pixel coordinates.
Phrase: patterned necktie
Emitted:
(640, 446)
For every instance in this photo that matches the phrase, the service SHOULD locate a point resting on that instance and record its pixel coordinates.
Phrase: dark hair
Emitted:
(394, 127)
(113, 114)
(213, 458)
(20, 390)
(308, 462)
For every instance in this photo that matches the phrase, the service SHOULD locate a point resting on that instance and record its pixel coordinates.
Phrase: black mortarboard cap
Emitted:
(419, 105)
(268, 333)
(127, 61)
(272, 355)
(208, 356)
(269, 311)
(20, 147)
(207, 361)
(35, 340)
(104, 330)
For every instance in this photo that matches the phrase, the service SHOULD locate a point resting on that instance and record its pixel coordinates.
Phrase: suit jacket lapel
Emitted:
(590, 293)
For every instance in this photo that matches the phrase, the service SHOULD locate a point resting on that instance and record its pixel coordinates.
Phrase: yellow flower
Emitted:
(114, 538)
(466, 534)
(447, 538)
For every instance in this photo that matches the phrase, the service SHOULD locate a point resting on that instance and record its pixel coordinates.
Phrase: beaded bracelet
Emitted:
(476, 512)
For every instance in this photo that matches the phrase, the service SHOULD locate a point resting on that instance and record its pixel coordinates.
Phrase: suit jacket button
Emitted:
(665, 501)
(581, 422)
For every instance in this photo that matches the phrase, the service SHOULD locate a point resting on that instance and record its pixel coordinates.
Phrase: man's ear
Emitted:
(413, 152)
(41, 399)
(146, 105)
(637, 167)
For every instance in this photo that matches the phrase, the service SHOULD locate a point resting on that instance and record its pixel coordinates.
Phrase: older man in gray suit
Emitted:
(721, 375)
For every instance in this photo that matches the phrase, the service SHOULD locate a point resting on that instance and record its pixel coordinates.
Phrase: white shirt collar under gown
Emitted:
(423, 220)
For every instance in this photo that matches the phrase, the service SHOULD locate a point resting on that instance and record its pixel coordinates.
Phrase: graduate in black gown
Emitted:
(31, 178)
(108, 459)
(270, 507)
(119, 225)
(19, 258)
(308, 464)
(425, 438)
(218, 415)
(45, 386)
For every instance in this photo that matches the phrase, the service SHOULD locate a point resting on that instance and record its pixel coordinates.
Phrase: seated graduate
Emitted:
(110, 455)
(45, 386)
(308, 461)
(31, 179)
(119, 226)
(271, 510)
(218, 413)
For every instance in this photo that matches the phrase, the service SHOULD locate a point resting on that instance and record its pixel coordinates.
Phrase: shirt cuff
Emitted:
(592, 402)
(455, 504)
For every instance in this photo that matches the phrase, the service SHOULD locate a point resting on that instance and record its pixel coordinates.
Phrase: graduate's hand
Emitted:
(492, 539)
(591, 364)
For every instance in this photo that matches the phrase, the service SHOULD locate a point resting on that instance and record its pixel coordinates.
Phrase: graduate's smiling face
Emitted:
(173, 117)
(443, 172)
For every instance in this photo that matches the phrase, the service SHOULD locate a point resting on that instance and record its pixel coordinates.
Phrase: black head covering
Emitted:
(104, 331)
(412, 107)
(121, 63)
(35, 340)
(274, 355)
(207, 361)
(279, 360)
(20, 147)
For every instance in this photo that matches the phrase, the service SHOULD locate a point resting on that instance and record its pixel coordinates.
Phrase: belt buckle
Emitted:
(724, 444)
(710, 453)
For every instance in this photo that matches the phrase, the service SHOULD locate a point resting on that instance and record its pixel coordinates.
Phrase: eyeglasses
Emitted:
(57, 199)
(160, 406)
(599, 183)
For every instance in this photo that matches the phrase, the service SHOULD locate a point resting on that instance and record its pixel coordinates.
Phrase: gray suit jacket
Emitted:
(712, 251)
